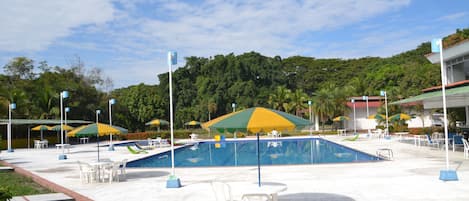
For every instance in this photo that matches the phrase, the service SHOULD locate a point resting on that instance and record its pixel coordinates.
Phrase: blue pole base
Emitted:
(10, 150)
(448, 175)
(111, 148)
(173, 183)
(62, 157)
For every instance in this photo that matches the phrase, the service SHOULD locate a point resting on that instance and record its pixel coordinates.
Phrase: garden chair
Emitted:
(431, 142)
(466, 148)
(133, 151)
(222, 191)
(87, 172)
(457, 141)
(354, 138)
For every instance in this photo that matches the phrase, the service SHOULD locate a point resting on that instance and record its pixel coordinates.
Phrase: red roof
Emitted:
(455, 84)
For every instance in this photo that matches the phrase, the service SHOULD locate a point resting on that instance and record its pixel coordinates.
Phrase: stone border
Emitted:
(46, 183)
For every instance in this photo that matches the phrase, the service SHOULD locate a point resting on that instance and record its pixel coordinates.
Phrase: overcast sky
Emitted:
(129, 40)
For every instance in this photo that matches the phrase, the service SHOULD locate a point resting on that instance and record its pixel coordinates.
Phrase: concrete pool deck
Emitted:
(411, 176)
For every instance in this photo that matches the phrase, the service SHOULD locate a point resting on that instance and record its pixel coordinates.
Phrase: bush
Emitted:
(5, 193)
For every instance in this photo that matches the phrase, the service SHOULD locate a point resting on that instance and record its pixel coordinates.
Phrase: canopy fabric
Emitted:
(157, 122)
(192, 123)
(94, 129)
(41, 121)
(256, 120)
(377, 116)
(400, 116)
(458, 91)
(41, 128)
(65, 128)
(341, 118)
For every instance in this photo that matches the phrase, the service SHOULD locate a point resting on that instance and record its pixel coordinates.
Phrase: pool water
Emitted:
(244, 153)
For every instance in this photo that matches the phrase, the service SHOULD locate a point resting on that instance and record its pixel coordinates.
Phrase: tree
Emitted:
(20, 68)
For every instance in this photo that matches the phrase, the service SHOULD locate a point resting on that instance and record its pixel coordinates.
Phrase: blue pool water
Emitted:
(244, 153)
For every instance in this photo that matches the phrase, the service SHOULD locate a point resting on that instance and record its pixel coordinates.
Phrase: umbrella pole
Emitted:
(97, 142)
(258, 161)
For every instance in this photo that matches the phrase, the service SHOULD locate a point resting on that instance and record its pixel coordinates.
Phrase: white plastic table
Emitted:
(84, 140)
(271, 189)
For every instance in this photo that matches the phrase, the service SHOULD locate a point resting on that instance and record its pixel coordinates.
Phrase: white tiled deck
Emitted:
(412, 175)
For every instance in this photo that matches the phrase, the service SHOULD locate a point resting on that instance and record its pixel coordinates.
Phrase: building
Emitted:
(362, 122)
(456, 65)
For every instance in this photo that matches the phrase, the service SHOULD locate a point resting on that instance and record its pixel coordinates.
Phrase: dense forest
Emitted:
(205, 88)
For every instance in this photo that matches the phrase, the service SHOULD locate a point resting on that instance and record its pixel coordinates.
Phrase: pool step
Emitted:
(44, 197)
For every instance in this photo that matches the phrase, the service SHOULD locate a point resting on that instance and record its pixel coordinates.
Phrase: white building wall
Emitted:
(362, 121)
(417, 121)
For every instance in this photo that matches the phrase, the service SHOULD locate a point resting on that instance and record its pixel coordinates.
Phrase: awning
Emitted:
(455, 97)
(42, 121)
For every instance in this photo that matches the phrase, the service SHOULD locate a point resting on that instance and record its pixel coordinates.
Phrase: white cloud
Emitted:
(34, 25)
(453, 16)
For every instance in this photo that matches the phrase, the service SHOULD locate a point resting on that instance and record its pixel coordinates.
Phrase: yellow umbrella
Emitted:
(41, 128)
(377, 116)
(65, 128)
(400, 116)
(341, 118)
(96, 129)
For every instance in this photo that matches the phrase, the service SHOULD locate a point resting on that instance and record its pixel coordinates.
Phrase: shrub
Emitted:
(5, 193)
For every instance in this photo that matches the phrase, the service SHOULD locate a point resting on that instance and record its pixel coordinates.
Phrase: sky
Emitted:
(129, 39)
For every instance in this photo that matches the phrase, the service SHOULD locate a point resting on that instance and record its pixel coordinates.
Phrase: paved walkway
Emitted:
(411, 176)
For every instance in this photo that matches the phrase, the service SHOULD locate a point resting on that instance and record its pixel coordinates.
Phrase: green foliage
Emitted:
(13, 184)
(5, 193)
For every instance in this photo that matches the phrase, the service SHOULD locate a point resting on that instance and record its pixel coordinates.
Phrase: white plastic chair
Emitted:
(122, 166)
(87, 172)
(111, 172)
(222, 191)
(466, 148)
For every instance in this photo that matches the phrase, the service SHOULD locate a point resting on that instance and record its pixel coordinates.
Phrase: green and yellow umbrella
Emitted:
(96, 129)
(41, 128)
(255, 120)
(400, 116)
(157, 122)
(341, 118)
(65, 128)
(192, 123)
(377, 116)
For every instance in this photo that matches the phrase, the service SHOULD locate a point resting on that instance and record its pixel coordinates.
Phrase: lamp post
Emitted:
(67, 109)
(63, 94)
(173, 181)
(367, 114)
(111, 102)
(97, 129)
(383, 93)
(446, 174)
(354, 118)
(310, 118)
(233, 105)
(11, 107)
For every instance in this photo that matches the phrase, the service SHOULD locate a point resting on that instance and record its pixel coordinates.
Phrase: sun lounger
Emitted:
(352, 138)
(133, 151)
(140, 147)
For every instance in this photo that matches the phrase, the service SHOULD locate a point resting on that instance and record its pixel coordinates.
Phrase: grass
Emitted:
(20, 185)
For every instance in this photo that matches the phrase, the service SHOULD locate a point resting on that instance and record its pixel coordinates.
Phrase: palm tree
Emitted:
(322, 105)
(279, 98)
(298, 99)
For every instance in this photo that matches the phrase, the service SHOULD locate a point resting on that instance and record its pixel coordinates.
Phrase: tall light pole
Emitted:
(233, 105)
(67, 109)
(97, 130)
(383, 93)
(310, 119)
(63, 94)
(173, 181)
(367, 114)
(354, 118)
(447, 174)
(111, 102)
(11, 107)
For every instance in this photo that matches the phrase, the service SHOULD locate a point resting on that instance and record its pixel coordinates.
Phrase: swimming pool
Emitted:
(243, 153)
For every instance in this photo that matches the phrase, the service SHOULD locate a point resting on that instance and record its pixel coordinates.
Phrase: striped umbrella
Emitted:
(400, 116)
(65, 128)
(341, 118)
(41, 128)
(157, 122)
(377, 116)
(255, 120)
(96, 129)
